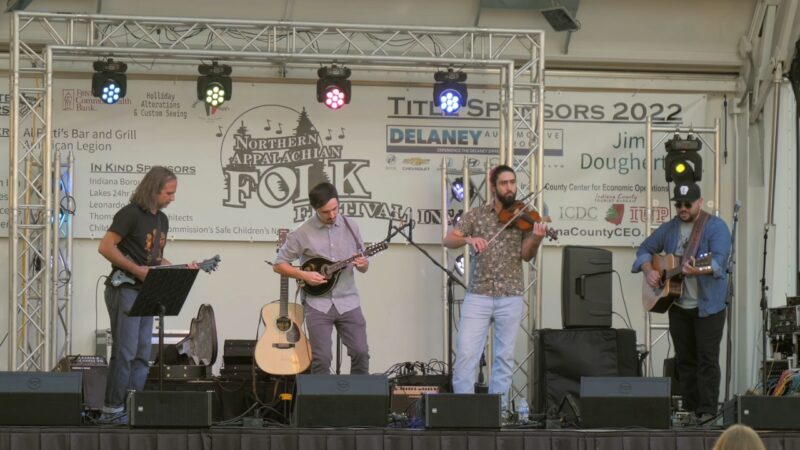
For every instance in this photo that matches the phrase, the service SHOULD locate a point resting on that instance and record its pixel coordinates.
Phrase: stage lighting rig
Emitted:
(458, 265)
(450, 92)
(683, 163)
(333, 86)
(109, 82)
(457, 189)
(214, 86)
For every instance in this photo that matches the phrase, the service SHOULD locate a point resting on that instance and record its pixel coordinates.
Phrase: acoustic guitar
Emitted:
(120, 277)
(331, 270)
(283, 349)
(659, 299)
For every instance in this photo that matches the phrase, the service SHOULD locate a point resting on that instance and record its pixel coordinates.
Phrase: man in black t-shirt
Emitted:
(133, 243)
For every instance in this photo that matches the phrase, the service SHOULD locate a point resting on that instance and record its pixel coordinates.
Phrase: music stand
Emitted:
(162, 294)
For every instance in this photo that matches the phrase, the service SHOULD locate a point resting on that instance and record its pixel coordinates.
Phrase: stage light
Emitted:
(459, 265)
(333, 86)
(109, 82)
(449, 92)
(214, 86)
(457, 189)
(457, 218)
(683, 163)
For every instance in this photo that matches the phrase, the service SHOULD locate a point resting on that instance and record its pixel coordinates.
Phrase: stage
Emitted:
(235, 438)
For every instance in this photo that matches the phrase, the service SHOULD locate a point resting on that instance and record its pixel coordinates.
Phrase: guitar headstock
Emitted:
(282, 233)
(210, 264)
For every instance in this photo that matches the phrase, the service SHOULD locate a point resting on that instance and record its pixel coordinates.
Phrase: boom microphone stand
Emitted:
(451, 278)
(729, 302)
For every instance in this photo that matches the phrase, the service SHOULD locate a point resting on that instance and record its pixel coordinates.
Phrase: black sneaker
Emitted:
(117, 418)
(707, 420)
(689, 420)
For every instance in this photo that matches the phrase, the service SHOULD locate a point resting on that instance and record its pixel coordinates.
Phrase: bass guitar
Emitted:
(120, 277)
(283, 348)
(670, 286)
(331, 270)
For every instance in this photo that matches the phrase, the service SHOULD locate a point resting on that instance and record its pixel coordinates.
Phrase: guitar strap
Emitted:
(358, 244)
(694, 238)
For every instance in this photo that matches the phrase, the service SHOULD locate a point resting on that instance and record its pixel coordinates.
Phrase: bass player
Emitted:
(328, 234)
(697, 318)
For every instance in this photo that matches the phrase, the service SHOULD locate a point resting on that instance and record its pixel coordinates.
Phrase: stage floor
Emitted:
(238, 438)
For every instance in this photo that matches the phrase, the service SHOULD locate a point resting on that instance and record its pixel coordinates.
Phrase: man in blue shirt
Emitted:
(697, 318)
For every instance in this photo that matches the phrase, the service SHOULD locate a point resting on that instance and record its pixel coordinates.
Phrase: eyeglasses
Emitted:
(685, 205)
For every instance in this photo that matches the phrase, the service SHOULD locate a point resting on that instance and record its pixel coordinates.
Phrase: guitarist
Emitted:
(333, 236)
(134, 242)
(697, 318)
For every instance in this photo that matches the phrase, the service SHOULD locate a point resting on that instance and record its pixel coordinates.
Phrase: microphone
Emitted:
(737, 206)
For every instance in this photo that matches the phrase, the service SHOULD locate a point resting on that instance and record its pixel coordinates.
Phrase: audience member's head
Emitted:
(739, 437)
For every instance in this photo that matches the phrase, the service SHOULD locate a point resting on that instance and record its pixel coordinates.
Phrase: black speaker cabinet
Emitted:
(169, 409)
(763, 412)
(562, 357)
(341, 401)
(462, 410)
(40, 398)
(625, 402)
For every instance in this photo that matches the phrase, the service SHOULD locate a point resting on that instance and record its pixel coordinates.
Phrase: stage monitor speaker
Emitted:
(586, 287)
(169, 409)
(763, 412)
(341, 401)
(462, 410)
(562, 357)
(40, 398)
(625, 402)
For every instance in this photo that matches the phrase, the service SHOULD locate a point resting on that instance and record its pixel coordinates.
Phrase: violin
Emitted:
(525, 220)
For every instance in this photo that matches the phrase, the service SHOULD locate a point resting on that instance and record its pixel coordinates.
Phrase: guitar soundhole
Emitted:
(283, 323)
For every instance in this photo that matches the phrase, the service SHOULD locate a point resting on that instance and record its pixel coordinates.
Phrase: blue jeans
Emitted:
(477, 314)
(130, 348)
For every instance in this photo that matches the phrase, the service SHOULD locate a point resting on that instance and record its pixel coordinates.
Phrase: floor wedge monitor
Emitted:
(40, 398)
(341, 401)
(621, 402)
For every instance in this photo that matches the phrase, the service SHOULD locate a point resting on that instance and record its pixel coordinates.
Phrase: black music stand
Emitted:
(162, 294)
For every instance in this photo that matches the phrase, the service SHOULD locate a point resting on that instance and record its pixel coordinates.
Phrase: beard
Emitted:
(507, 200)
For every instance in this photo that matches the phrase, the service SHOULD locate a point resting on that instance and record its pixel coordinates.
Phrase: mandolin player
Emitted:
(697, 317)
(328, 234)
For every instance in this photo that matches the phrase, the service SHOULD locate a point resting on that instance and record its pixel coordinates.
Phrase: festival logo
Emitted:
(273, 155)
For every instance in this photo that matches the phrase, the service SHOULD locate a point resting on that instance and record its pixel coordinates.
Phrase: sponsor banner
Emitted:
(245, 168)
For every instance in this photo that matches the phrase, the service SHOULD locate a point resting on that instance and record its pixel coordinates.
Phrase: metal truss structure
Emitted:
(42, 41)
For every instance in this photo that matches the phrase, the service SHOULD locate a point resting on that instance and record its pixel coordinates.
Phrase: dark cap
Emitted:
(687, 192)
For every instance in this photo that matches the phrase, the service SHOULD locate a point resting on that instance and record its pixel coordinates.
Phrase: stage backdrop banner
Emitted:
(245, 168)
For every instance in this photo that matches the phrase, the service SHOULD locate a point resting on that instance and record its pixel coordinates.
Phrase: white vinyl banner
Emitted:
(245, 169)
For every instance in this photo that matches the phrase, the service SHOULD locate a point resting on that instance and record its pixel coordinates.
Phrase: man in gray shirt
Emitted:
(334, 237)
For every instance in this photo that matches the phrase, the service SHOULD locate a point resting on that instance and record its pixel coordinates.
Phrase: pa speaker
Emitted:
(462, 410)
(763, 412)
(625, 402)
(169, 409)
(341, 401)
(40, 398)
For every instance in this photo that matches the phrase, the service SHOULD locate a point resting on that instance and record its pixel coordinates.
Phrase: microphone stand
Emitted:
(451, 278)
(764, 313)
(729, 302)
(481, 387)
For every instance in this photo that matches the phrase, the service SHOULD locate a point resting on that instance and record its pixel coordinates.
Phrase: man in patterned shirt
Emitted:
(496, 285)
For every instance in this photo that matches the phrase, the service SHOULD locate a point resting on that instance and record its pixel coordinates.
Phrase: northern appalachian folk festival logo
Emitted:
(274, 154)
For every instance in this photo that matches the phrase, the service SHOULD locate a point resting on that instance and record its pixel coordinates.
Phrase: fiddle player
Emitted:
(496, 285)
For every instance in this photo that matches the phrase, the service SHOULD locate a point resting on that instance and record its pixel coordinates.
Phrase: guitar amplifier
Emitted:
(180, 372)
(406, 398)
(238, 352)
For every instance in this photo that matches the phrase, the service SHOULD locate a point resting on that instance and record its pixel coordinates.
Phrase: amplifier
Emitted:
(462, 410)
(180, 372)
(405, 398)
(625, 402)
(171, 409)
(95, 372)
(763, 412)
(784, 320)
(238, 351)
(341, 401)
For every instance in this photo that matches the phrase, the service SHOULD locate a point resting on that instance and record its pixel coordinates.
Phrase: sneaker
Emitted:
(117, 418)
(706, 420)
(689, 420)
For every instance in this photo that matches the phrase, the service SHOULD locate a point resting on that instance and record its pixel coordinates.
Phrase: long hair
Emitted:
(321, 194)
(146, 193)
(739, 437)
